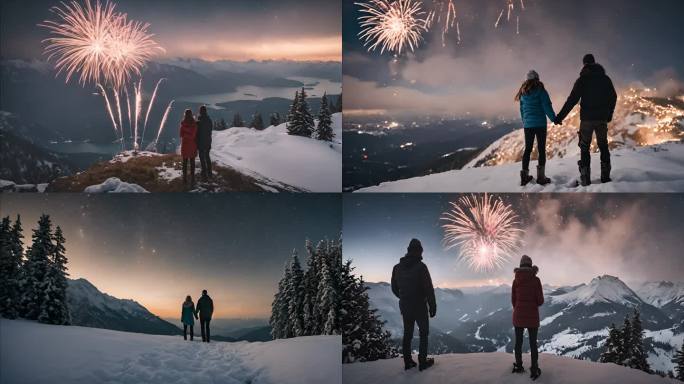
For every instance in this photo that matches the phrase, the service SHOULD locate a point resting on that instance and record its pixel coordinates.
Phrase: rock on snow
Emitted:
(39, 353)
(486, 368)
(115, 185)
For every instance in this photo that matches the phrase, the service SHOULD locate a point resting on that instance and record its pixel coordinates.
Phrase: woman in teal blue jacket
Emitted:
(535, 107)
(188, 317)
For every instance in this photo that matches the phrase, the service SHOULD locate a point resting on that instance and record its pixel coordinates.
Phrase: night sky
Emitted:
(637, 41)
(238, 30)
(156, 249)
(572, 238)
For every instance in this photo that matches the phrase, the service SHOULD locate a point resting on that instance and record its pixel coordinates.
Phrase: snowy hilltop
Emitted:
(38, 353)
(485, 368)
(245, 160)
(274, 157)
(645, 138)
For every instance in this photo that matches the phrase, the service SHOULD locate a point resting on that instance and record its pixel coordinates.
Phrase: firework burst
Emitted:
(484, 229)
(392, 25)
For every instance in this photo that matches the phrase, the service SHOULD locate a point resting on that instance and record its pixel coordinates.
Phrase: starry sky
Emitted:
(237, 30)
(635, 40)
(571, 237)
(157, 249)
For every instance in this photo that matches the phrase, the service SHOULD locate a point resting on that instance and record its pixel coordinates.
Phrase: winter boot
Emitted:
(541, 177)
(605, 173)
(585, 175)
(408, 364)
(426, 363)
(518, 368)
(535, 372)
(525, 177)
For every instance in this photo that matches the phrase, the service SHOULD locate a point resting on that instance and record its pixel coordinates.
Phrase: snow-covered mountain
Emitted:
(37, 353)
(638, 121)
(646, 143)
(91, 308)
(574, 319)
(481, 368)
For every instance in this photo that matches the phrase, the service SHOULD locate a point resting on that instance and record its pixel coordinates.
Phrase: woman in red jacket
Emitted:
(526, 296)
(188, 134)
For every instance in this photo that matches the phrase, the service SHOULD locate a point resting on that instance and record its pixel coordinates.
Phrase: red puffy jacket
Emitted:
(526, 297)
(188, 134)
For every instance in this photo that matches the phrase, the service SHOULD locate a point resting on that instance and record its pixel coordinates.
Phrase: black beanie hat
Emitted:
(589, 59)
(415, 246)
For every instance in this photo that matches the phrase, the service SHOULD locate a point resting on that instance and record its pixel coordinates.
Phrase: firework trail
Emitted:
(138, 109)
(510, 10)
(108, 106)
(128, 106)
(484, 229)
(163, 121)
(392, 25)
(149, 107)
(117, 100)
(444, 12)
(496, 25)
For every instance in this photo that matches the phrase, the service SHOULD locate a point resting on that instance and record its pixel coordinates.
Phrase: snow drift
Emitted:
(476, 368)
(38, 353)
(274, 157)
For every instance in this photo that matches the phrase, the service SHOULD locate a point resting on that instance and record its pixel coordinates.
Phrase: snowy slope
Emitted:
(485, 368)
(602, 289)
(38, 353)
(656, 168)
(91, 308)
(274, 157)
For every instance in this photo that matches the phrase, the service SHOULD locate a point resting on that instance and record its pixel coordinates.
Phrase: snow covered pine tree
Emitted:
(678, 361)
(11, 255)
(54, 309)
(324, 129)
(612, 346)
(300, 122)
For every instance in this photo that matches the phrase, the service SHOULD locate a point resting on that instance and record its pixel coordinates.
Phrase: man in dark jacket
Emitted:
(597, 97)
(412, 284)
(204, 128)
(205, 308)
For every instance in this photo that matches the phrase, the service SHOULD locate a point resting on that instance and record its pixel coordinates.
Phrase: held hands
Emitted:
(558, 121)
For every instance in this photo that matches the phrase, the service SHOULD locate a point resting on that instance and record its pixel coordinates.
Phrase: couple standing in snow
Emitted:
(597, 97)
(412, 284)
(203, 312)
(196, 138)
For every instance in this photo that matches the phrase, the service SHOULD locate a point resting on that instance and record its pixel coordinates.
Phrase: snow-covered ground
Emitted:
(486, 368)
(273, 156)
(648, 169)
(115, 185)
(37, 353)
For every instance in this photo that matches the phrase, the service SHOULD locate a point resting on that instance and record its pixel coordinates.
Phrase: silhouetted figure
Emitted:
(526, 297)
(204, 129)
(205, 308)
(188, 317)
(412, 284)
(597, 97)
(188, 134)
(535, 106)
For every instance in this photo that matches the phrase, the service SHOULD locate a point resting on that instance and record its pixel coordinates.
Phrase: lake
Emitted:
(314, 88)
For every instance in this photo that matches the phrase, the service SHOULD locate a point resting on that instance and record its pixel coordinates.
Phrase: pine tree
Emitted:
(363, 337)
(637, 356)
(237, 120)
(275, 119)
(612, 346)
(54, 309)
(678, 361)
(257, 122)
(295, 298)
(626, 345)
(300, 120)
(279, 308)
(9, 271)
(36, 269)
(324, 131)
